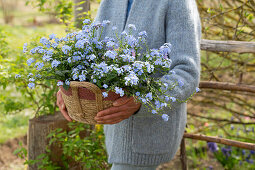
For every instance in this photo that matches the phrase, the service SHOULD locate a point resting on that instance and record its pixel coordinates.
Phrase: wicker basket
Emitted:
(84, 100)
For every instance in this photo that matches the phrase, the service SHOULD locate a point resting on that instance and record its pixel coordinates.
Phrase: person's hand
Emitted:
(62, 106)
(122, 109)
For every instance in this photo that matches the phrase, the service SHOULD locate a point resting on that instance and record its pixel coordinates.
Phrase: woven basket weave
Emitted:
(84, 100)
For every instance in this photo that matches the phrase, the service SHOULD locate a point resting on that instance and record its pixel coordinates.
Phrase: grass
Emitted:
(12, 126)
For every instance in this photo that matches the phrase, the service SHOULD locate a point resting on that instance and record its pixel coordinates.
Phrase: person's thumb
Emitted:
(121, 101)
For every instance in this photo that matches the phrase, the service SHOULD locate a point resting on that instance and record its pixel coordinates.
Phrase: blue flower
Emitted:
(124, 33)
(119, 91)
(54, 45)
(144, 101)
(105, 22)
(111, 45)
(212, 146)
(132, 27)
(226, 151)
(137, 93)
(173, 99)
(75, 76)
(39, 65)
(44, 41)
(131, 79)
(154, 112)
(66, 49)
(91, 57)
(25, 48)
(82, 77)
(165, 117)
(94, 80)
(40, 51)
(86, 21)
(105, 86)
(47, 58)
(60, 83)
(31, 79)
(143, 34)
(167, 98)
(55, 63)
(149, 96)
(111, 54)
(31, 85)
(30, 61)
(76, 58)
(140, 72)
(80, 44)
(67, 82)
(30, 75)
(197, 90)
(172, 72)
(249, 160)
(163, 105)
(17, 76)
(105, 94)
(52, 36)
(69, 60)
(165, 49)
(131, 40)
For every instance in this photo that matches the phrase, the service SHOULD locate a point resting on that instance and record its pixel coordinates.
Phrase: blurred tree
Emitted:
(8, 7)
(65, 10)
(82, 8)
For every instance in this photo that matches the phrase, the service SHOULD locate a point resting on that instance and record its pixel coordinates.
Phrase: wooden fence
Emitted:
(40, 127)
(221, 46)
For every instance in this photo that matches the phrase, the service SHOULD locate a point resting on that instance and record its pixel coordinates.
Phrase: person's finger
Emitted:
(108, 111)
(65, 114)
(122, 101)
(120, 115)
(110, 122)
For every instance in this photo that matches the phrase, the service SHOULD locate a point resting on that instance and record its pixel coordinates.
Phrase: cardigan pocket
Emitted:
(152, 135)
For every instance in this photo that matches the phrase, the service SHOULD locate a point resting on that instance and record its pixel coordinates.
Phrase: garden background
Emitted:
(226, 114)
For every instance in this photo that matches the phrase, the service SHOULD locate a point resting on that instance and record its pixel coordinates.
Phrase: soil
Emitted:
(9, 161)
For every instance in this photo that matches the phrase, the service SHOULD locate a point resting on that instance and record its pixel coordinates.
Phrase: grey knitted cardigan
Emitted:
(143, 138)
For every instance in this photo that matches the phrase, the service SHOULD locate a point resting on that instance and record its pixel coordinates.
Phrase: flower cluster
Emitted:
(228, 155)
(122, 64)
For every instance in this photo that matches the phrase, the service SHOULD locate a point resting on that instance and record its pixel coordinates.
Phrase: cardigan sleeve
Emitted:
(183, 32)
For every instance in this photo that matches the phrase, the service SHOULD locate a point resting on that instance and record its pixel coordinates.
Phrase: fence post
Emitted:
(39, 128)
(183, 155)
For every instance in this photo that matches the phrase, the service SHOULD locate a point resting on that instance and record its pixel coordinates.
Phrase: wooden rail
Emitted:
(228, 46)
(244, 145)
(227, 86)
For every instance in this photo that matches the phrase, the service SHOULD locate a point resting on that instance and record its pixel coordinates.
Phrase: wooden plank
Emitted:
(227, 86)
(244, 145)
(183, 155)
(228, 46)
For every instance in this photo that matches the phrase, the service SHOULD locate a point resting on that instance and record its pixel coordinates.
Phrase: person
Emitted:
(134, 138)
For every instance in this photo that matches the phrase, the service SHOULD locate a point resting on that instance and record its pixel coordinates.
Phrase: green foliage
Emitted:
(15, 95)
(62, 9)
(88, 151)
(13, 125)
(3, 44)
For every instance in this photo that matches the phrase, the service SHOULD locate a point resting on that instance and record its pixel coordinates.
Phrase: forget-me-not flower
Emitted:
(55, 63)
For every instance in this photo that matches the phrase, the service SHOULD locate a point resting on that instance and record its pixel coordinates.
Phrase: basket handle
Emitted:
(96, 90)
